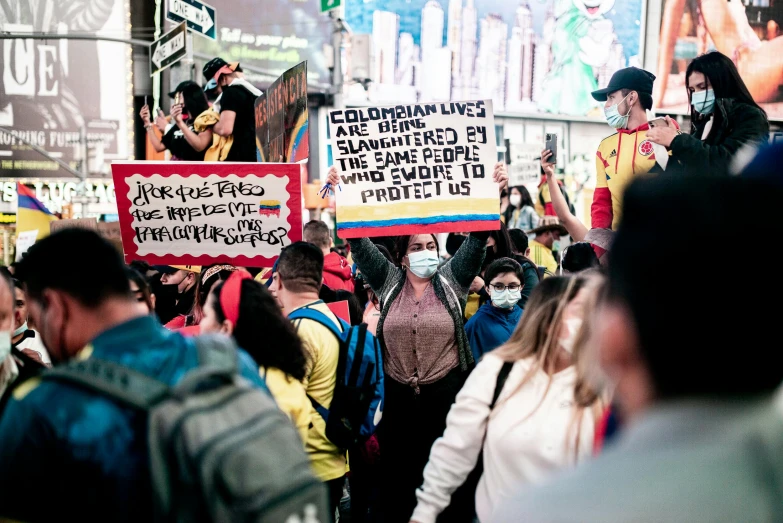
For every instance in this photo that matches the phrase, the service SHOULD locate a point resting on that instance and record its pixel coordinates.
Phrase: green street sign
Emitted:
(326, 5)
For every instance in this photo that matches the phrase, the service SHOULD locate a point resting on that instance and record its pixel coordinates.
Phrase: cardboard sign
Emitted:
(341, 310)
(282, 130)
(523, 165)
(411, 169)
(75, 223)
(25, 240)
(202, 213)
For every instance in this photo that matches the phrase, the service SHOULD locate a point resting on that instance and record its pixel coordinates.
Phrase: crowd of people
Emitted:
(521, 380)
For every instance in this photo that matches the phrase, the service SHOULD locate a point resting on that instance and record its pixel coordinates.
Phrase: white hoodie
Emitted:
(519, 447)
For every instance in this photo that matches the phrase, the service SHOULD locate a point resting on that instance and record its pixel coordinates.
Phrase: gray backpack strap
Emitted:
(121, 383)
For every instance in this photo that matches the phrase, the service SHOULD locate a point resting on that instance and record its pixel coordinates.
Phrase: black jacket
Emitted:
(735, 125)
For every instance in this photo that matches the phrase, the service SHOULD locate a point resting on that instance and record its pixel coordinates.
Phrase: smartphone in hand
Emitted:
(551, 144)
(658, 122)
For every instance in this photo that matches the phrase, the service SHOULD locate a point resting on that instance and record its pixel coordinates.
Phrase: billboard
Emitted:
(52, 90)
(750, 35)
(272, 37)
(537, 56)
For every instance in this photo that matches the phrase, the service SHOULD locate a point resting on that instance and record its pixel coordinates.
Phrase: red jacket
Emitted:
(337, 273)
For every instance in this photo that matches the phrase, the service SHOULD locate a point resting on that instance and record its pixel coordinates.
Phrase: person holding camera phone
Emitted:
(181, 138)
(628, 153)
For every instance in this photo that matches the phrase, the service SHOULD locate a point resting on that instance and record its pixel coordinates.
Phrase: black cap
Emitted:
(631, 78)
(184, 87)
(216, 64)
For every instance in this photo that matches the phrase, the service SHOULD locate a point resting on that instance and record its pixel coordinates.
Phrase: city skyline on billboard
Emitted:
(536, 56)
(273, 39)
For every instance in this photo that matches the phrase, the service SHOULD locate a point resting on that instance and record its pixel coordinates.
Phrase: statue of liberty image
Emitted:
(582, 41)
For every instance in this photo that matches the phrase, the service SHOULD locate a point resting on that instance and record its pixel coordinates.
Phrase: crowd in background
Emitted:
(521, 380)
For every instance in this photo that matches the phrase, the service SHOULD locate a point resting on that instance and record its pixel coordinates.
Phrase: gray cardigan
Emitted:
(451, 283)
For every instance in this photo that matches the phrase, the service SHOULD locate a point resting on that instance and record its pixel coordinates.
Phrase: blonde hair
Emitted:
(536, 338)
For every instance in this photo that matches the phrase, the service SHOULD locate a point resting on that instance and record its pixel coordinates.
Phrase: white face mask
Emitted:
(572, 327)
(423, 263)
(505, 299)
(5, 345)
(515, 199)
(21, 330)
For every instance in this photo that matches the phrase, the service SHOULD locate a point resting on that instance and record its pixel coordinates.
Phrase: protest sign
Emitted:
(74, 223)
(282, 119)
(524, 166)
(25, 240)
(414, 168)
(201, 213)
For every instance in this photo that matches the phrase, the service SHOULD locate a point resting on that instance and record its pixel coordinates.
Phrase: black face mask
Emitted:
(165, 301)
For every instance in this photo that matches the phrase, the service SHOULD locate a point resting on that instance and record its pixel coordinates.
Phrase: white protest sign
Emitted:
(414, 168)
(524, 167)
(25, 240)
(200, 213)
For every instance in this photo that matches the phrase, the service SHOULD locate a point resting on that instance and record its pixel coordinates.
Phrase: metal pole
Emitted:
(83, 143)
(58, 36)
(43, 152)
(337, 73)
(188, 61)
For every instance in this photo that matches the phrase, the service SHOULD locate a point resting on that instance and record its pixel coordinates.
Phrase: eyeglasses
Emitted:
(501, 287)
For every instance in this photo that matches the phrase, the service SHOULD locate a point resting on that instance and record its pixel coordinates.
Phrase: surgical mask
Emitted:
(556, 246)
(21, 330)
(423, 263)
(5, 345)
(703, 101)
(613, 116)
(505, 299)
(572, 325)
(515, 199)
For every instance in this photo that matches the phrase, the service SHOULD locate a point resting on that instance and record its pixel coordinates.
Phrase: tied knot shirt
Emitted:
(420, 339)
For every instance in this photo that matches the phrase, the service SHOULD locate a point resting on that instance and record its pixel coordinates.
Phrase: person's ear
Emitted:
(152, 303)
(527, 252)
(227, 328)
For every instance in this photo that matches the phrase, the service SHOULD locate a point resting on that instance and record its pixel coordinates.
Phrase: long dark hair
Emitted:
(723, 78)
(195, 100)
(504, 247)
(263, 332)
(526, 200)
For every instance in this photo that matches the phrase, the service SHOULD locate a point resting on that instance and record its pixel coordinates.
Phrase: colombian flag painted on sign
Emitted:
(31, 214)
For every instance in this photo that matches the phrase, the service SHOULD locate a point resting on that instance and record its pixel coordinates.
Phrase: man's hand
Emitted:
(332, 177)
(500, 175)
(546, 165)
(663, 135)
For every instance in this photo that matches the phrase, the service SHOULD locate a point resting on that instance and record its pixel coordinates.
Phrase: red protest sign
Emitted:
(201, 213)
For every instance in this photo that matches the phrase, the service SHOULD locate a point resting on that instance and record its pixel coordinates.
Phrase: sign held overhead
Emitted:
(168, 49)
(199, 17)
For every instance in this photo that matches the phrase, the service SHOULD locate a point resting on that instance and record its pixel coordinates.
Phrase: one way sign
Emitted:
(168, 49)
(199, 16)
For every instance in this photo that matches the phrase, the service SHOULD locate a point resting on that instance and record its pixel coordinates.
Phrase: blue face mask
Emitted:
(423, 263)
(613, 116)
(703, 101)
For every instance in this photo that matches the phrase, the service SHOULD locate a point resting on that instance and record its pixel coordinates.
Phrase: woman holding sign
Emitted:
(427, 355)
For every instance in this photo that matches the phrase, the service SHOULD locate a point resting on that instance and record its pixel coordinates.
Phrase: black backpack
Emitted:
(220, 449)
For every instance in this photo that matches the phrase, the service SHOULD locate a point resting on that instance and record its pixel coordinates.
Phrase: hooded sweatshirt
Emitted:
(491, 327)
(337, 273)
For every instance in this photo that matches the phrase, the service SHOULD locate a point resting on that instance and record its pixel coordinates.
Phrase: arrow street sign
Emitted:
(328, 5)
(168, 49)
(199, 16)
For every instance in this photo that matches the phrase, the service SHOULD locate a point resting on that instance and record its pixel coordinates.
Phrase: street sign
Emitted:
(327, 5)
(199, 16)
(168, 49)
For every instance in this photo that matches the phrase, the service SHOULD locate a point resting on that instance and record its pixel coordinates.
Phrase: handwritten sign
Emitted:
(408, 169)
(282, 130)
(201, 213)
(524, 166)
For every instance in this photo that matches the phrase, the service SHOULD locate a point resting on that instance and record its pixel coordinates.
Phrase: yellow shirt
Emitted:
(542, 256)
(323, 349)
(291, 398)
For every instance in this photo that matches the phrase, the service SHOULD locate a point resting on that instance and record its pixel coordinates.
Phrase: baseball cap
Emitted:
(171, 269)
(217, 66)
(631, 78)
(184, 87)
